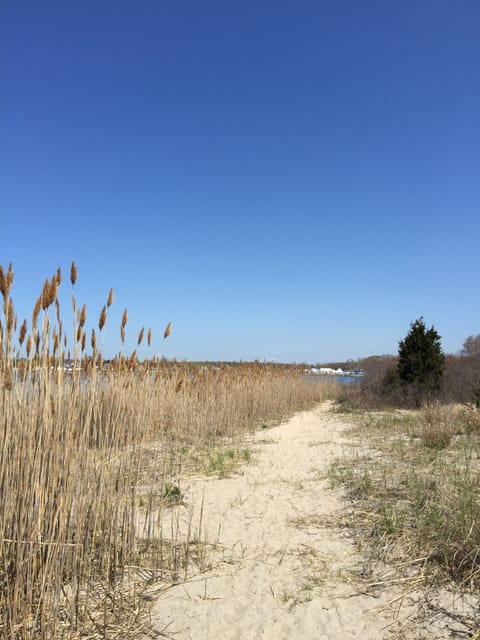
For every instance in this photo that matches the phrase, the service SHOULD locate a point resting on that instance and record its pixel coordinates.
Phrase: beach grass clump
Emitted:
(92, 456)
(422, 497)
(437, 425)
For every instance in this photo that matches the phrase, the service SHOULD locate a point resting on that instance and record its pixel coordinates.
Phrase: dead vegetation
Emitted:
(413, 487)
(87, 449)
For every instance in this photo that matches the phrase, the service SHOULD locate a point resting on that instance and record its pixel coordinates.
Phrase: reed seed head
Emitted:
(3, 283)
(83, 316)
(103, 318)
(110, 298)
(53, 290)
(36, 311)
(10, 315)
(29, 345)
(73, 273)
(45, 295)
(140, 336)
(167, 330)
(23, 332)
(149, 337)
(124, 318)
(55, 341)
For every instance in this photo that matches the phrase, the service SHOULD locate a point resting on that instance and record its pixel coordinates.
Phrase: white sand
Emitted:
(283, 569)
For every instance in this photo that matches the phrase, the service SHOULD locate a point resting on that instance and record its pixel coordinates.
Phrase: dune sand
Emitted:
(282, 566)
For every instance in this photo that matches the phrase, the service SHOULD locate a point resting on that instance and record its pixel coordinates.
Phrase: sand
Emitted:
(283, 564)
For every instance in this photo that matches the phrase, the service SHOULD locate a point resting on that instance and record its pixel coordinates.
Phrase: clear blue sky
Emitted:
(289, 180)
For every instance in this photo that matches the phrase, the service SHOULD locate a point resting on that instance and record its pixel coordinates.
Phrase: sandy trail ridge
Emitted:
(282, 566)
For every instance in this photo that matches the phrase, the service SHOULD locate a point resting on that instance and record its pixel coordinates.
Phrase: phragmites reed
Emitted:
(167, 330)
(103, 318)
(73, 273)
(83, 316)
(59, 276)
(140, 336)
(3, 283)
(29, 345)
(8, 379)
(10, 314)
(82, 439)
(45, 294)
(110, 298)
(23, 332)
(124, 318)
(36, 311)
(6, 281)
(122, 335)
(56, 342)
(149, 337)
(53, 290)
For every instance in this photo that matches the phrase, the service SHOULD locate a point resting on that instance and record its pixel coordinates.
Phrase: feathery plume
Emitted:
(23, 332)
(140, 336)
(83, 316)
(110, 298)
(36, 311)
(3, 283)
(103, 318)
(167, 330)
(73, 273)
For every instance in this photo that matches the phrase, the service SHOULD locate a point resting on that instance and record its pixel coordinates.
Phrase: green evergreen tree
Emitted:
(421, 361)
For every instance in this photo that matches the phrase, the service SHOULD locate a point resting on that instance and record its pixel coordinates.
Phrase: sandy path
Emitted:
(282, 569)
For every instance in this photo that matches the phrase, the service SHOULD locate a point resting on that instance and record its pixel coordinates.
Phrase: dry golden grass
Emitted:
(79, 443)
(414, 482)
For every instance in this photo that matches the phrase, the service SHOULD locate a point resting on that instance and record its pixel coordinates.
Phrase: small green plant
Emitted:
(172, 493)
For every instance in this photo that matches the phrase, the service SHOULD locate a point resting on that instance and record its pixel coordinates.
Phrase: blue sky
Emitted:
(289, 180)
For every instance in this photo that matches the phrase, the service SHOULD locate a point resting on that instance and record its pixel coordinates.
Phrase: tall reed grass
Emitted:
(78, 441)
